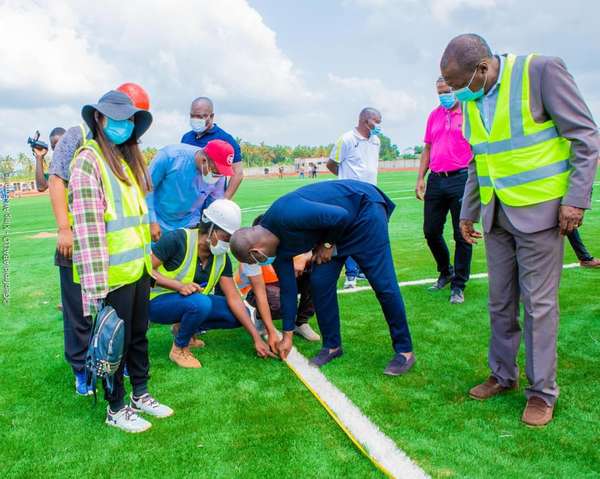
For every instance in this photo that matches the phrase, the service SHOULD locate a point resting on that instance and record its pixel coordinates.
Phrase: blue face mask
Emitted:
(376, 130)
(447, 100)
(466, 94)
(267, 262)
(118, 131)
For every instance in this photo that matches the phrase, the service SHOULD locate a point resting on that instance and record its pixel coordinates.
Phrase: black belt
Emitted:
(450, 173)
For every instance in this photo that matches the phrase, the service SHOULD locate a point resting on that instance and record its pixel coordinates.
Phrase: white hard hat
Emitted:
(225, 214)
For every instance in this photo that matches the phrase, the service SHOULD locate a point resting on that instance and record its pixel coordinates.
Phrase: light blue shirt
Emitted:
(487, 103)
(179, 194)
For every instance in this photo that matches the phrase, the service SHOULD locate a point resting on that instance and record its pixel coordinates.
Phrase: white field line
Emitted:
(379, 446)
(420, 282)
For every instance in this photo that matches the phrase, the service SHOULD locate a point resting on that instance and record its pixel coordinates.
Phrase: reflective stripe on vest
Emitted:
(125, 217)
(186, 271)
(216, 271)
(522, 161)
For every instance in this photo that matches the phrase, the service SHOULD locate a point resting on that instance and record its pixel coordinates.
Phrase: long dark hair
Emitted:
(129, 151)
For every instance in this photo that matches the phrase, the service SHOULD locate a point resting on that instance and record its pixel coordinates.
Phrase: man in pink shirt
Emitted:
(446, 155)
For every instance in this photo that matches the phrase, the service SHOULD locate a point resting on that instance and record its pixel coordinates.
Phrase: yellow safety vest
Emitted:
(521, 161)
(127, 225)
(186, 271)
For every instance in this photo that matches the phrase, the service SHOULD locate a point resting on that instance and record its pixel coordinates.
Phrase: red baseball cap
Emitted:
(221, 153)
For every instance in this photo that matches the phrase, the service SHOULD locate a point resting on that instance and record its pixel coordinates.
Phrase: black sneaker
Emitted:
(325, 356)
(457, 296)
(441, 282)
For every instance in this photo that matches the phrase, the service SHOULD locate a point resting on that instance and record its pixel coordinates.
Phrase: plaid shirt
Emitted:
(90, 250)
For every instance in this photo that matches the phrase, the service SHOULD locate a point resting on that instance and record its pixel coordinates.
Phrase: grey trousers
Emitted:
(524, 267)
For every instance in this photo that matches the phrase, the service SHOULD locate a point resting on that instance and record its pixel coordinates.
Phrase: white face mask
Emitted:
(220, 248)
(209, 178)
(198, 125)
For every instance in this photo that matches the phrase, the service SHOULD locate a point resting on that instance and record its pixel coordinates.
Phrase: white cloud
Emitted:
(60, 54)
(395, 105)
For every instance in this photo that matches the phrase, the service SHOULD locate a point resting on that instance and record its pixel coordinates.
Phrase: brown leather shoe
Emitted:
(489, 388)
(194, 343)
(590, 263)
(537, 412)
(183, 358)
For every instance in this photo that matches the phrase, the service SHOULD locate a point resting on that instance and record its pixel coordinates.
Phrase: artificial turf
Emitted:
(240, 416)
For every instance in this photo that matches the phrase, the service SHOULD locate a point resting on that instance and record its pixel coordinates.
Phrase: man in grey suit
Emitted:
(535, 159)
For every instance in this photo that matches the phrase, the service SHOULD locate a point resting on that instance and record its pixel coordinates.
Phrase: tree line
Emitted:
(22, 166)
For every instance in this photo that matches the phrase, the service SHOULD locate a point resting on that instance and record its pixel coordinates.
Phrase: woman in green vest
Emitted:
(111, 248)
(190, 265)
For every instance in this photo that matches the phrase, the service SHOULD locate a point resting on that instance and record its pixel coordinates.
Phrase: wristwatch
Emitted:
(327, 245)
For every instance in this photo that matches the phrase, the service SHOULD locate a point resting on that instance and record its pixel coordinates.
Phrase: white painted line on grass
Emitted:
(380, 449)
(420, 282)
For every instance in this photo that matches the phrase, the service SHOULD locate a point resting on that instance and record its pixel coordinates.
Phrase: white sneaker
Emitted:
(127, 420)
(350, 283)
(258, 324)
(307, 332)
(147, 404)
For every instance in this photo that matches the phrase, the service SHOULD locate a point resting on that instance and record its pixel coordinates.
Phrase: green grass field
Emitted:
(240, 416)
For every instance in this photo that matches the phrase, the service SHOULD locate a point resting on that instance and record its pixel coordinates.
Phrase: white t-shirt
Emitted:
(357, 157)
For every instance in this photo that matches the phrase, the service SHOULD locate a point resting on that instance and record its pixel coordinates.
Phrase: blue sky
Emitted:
(279, 71)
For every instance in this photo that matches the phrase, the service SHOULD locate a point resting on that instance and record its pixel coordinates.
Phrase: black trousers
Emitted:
(77, 328)
(131, 304)
(444, 194)
(578, 246)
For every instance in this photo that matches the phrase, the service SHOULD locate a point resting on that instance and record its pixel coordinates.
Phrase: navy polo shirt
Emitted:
(215, 133)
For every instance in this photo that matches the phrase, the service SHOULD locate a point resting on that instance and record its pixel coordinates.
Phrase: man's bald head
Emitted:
(203, 101)
(466, 51)
(241, 243)
(464, 55)
(369, 113)
(250, 245)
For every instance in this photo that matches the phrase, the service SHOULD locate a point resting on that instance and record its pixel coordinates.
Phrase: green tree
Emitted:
(7, 166)
(388, 150)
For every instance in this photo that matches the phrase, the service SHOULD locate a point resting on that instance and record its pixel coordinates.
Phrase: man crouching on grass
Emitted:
(334, 219)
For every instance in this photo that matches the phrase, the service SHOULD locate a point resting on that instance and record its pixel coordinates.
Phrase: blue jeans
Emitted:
(352, 269)
(196, 312)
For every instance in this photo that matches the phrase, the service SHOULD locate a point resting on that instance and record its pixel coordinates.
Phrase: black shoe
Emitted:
(399, 365)
(325, 356)
(441, 282)
(457, 296)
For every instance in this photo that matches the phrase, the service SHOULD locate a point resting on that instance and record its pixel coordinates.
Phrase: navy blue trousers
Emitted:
(378, 266)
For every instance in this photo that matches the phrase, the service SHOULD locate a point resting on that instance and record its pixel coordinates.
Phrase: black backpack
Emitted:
(105, 350)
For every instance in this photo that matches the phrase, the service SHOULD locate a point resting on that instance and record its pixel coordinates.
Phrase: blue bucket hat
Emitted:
(118, 106)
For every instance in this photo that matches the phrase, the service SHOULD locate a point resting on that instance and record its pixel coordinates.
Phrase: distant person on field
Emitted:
(355, 156)
(446, 156)
(260, 284)
(535, 148)
(281, 172)
(204, 129)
